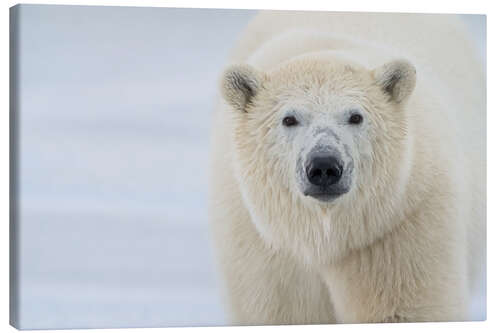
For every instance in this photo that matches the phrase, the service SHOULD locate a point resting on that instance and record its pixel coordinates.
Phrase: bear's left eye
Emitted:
(290, 121)
(355, 119)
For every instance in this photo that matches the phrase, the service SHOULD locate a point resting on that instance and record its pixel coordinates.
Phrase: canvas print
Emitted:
(209, 167)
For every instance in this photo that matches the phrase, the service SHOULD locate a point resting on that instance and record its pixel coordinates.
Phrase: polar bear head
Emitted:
(317, 134)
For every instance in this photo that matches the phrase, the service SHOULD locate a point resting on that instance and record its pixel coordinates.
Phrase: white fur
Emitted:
(406, 243)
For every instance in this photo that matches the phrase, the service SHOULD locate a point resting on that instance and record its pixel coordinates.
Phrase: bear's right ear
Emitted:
(240, 83)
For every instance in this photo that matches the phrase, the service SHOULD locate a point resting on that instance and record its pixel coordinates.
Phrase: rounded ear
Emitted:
(397, 79)
(239, 84)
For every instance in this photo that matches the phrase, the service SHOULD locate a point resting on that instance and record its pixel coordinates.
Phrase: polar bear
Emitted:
(348, 170)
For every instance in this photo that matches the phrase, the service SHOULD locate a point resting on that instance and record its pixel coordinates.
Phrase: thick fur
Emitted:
(407, 241)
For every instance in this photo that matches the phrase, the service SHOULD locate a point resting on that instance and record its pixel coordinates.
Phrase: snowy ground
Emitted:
(115, 117)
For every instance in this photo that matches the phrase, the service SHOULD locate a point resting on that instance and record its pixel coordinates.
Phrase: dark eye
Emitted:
(290, 121)
(355, 119)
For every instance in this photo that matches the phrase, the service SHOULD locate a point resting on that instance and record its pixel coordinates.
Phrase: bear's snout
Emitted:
(324, 170)
(324, 175)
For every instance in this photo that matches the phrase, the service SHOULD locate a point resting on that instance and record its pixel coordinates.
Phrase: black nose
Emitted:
(324, 170)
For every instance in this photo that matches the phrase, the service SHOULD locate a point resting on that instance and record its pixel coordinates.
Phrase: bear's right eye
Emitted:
(290, 121)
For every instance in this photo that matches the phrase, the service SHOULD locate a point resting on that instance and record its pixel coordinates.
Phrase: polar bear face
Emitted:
(318, 129)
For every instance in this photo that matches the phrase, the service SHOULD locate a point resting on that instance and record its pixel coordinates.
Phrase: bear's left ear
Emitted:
(397, 79)
(239, 85)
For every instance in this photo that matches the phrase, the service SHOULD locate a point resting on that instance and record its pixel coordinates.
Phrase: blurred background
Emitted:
(114, 121)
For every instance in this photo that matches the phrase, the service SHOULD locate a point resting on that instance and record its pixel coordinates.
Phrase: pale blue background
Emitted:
(115, 114)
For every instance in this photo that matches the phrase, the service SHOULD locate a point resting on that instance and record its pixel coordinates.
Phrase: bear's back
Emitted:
(438, 43)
